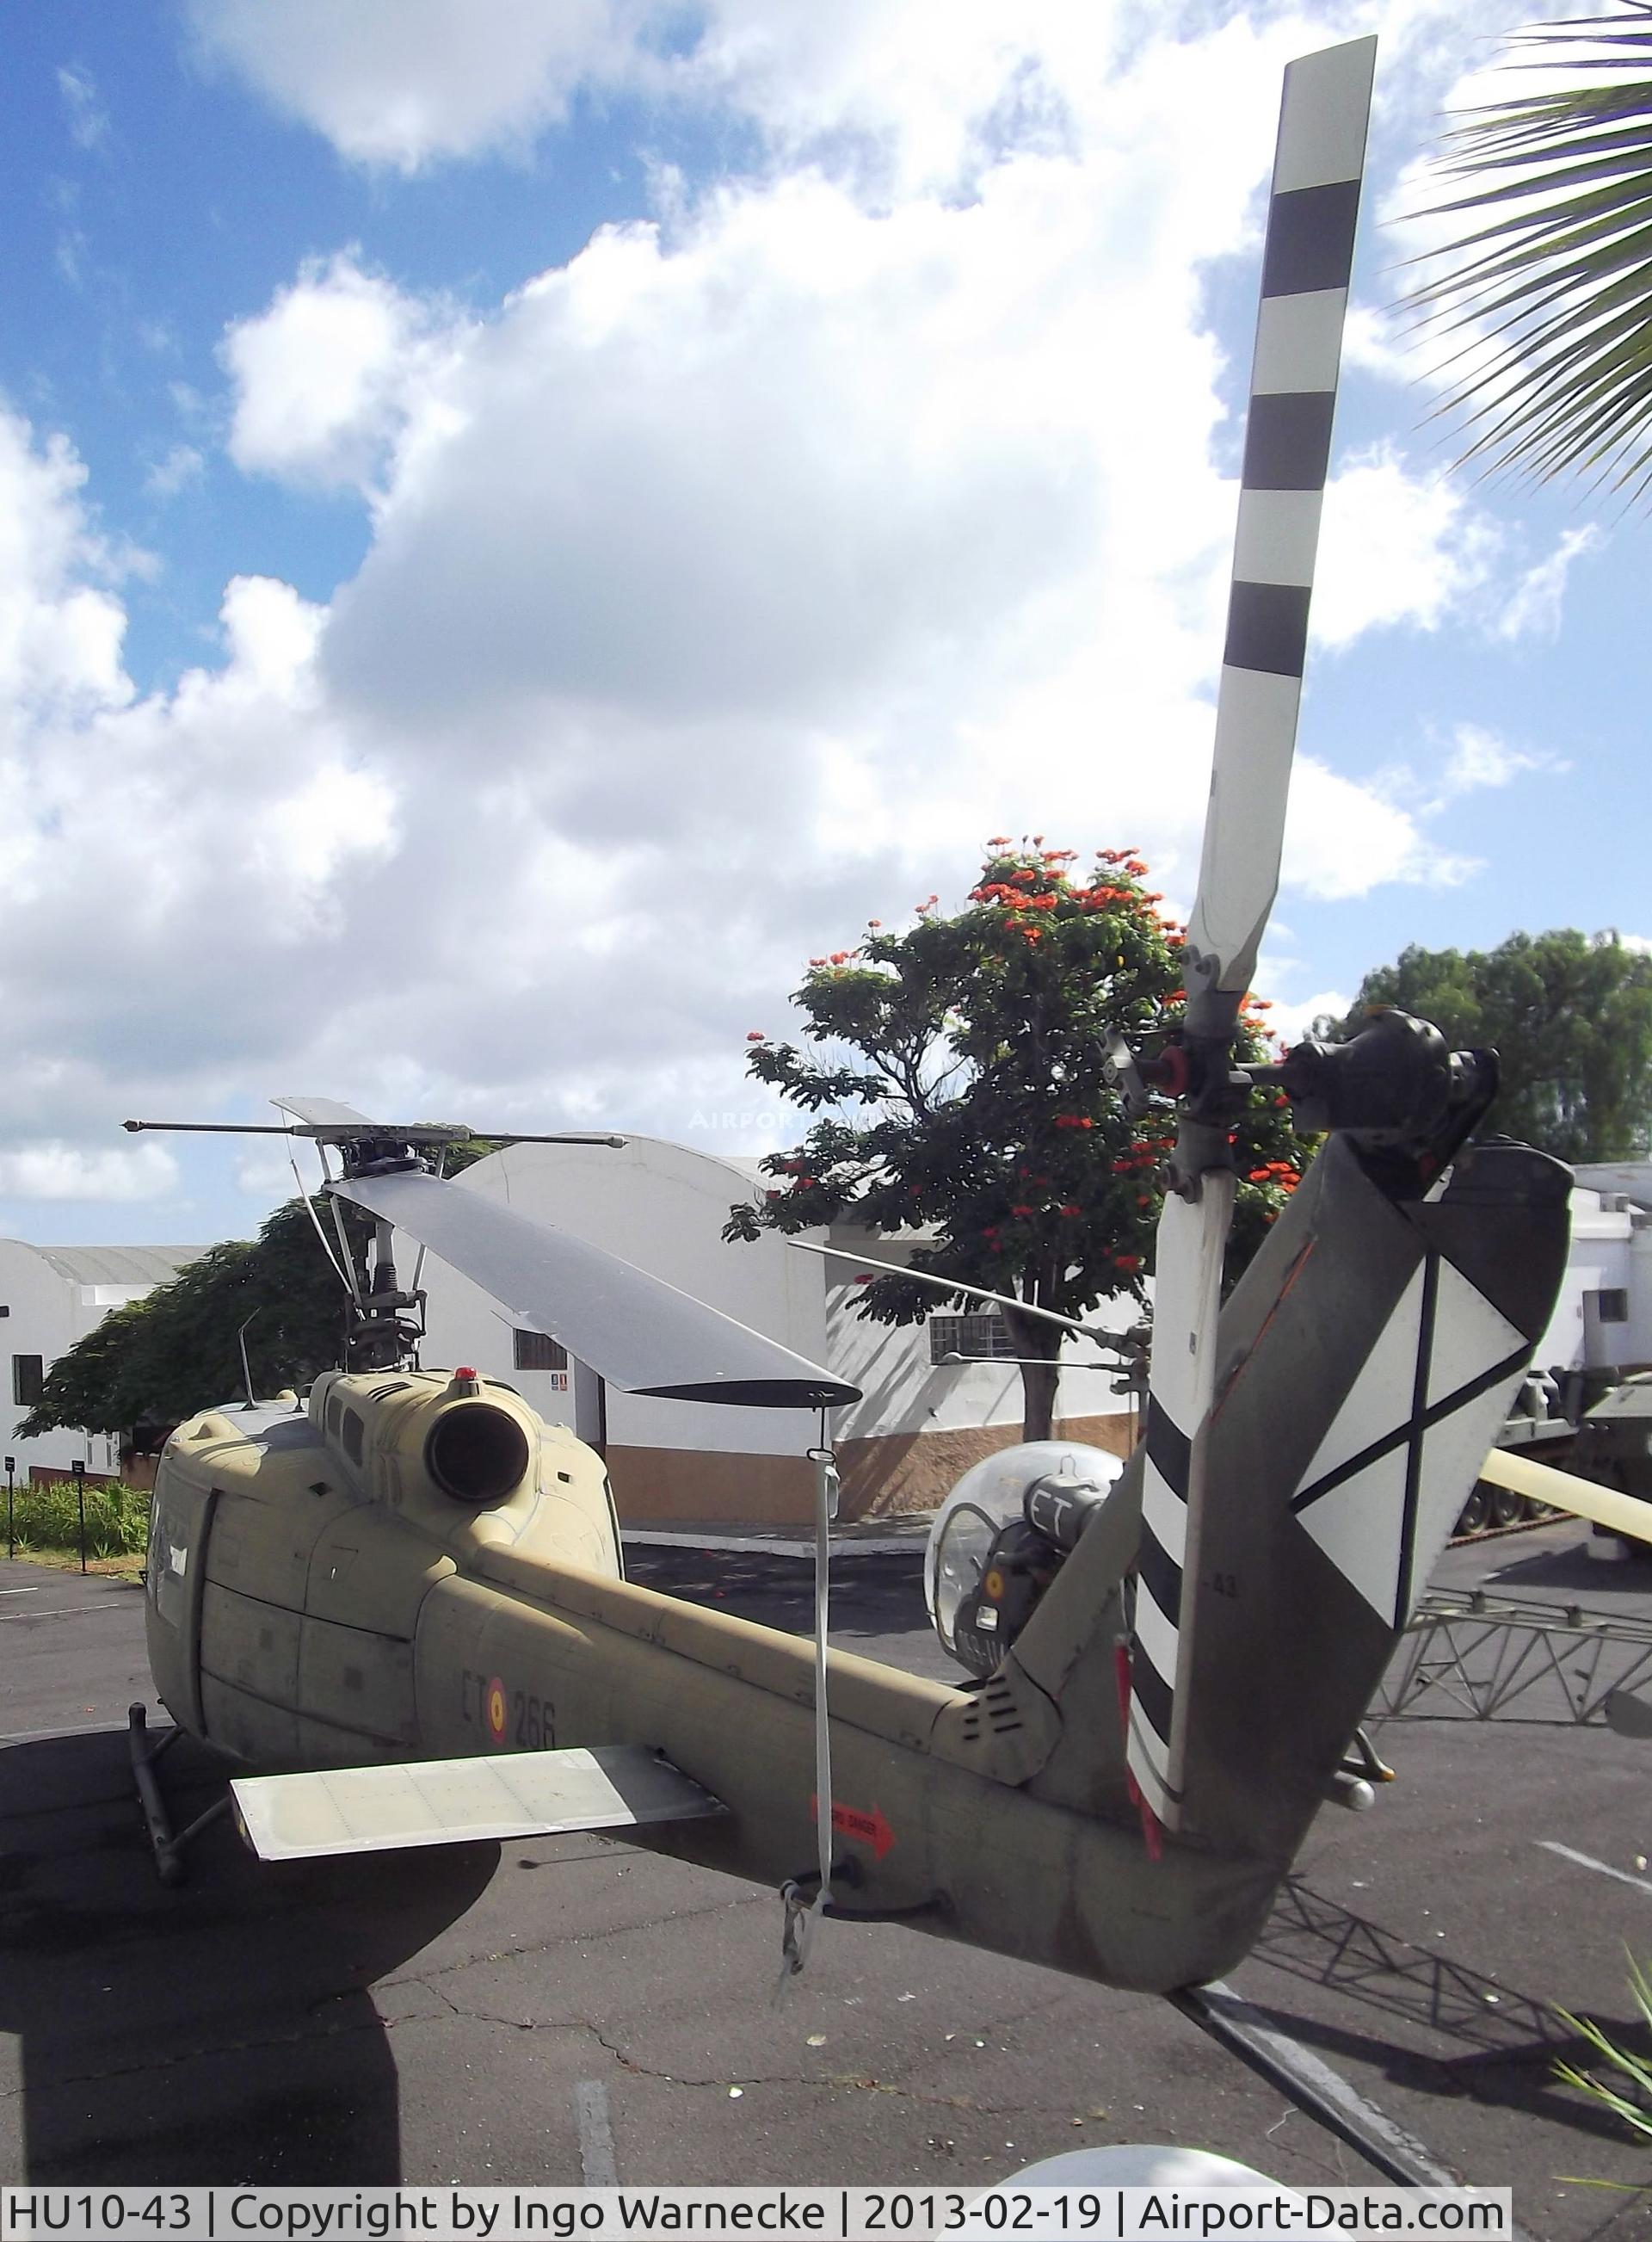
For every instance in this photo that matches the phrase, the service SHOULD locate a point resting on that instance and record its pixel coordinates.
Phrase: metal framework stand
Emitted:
(167, 1846)
(1473, 1657)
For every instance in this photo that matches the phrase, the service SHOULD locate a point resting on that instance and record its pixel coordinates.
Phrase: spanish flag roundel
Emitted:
(496, 1709)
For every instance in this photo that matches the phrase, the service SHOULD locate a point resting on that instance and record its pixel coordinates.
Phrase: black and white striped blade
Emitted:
(1307, 263)
(1186, 1301)
(636, 1331)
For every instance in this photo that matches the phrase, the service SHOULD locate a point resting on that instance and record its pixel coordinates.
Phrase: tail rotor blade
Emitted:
(1307, 263)
(636, 1331)
(1187, 1295)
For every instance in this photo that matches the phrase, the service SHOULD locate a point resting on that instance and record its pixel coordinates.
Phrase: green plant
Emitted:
(1550, 284)
(959, 1082)
(1635, 2105)
(48, 1517)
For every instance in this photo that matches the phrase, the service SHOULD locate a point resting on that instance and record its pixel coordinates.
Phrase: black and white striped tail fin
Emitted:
(1368, 1358)
(1307, 263)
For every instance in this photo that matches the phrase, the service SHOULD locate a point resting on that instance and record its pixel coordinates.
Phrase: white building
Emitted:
(50, 1297)
(1603, 1318)
(920, 1424)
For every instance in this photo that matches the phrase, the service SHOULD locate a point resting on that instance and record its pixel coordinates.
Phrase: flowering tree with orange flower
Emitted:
(959, 1083)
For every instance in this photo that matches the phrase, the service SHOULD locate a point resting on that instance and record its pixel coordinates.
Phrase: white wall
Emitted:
(1608, 1253)
(663, 1207)
(47, 1314)
(903, 1392)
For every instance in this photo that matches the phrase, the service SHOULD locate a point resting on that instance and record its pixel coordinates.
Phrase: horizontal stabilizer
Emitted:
(456, 1801)
(1584, 1498)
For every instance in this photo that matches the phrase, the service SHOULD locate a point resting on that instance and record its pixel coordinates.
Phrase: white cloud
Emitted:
(1291, 1018)
(1469, 758)
(176, 472)
(183, 465)
(402, 82)
(1343, 838)
(1396, 548)
(88, 120)
(1534, 608)
(739, 575)
(60, 635)
(1479, 758)
(66, 1173)
(327, 376)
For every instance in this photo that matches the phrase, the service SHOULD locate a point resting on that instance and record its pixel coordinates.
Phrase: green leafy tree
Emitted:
(1551, 282)
(960, 1091)
(162, 1358)
(1570, 1017)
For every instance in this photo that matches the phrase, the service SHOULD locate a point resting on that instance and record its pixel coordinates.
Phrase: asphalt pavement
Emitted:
(558, 2010)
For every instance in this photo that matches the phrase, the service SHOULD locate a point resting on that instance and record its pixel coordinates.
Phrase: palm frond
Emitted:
(1633, 2106)
(1553, 291)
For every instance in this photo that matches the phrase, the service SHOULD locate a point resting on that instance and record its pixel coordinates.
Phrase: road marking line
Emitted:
(34, 1591)
(1601, 1868)
(55, 1611)
(597, 2165)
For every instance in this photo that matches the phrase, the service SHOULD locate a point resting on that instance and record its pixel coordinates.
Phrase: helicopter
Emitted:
(400, 1607)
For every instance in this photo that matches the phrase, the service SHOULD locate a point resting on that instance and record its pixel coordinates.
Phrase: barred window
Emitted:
(538, 1351)
(1613, 1306)
(979, 1338)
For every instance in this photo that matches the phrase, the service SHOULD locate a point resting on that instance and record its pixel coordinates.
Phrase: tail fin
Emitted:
(1363, 1367)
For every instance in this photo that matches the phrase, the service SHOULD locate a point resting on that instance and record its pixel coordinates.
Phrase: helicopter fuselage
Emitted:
(318, 1599)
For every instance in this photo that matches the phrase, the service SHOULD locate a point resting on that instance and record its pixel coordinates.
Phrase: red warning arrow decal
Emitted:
(853, 1822)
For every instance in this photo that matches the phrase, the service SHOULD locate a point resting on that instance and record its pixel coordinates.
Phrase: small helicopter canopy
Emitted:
(994, 1493)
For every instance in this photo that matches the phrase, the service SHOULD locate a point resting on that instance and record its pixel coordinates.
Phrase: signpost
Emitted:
(11, 1481)
(78, 1467)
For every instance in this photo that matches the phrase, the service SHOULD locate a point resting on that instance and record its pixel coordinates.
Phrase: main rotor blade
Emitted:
(635, 1330)
(324, 1113)
(327, 1114)
(1306, 262)
(1583, 1497)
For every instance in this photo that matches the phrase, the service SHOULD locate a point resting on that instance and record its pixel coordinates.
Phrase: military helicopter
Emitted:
(407, 1596)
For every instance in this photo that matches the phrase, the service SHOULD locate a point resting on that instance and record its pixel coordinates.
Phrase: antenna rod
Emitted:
(957, 1285)
(246, 1367)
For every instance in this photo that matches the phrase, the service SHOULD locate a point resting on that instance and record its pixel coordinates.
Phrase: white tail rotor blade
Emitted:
(1306, 261)
(1306, 266)
(1186, 1296)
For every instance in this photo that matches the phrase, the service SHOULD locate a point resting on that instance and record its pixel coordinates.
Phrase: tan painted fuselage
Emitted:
(316, 1600)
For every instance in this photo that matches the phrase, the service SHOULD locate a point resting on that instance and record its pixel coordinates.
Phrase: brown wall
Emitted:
(897, 1471)
(883, 1477)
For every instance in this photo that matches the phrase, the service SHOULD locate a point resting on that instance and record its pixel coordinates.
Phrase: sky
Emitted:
(519, 525)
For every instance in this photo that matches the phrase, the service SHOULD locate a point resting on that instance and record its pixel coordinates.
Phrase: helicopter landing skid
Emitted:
(167, 1846)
